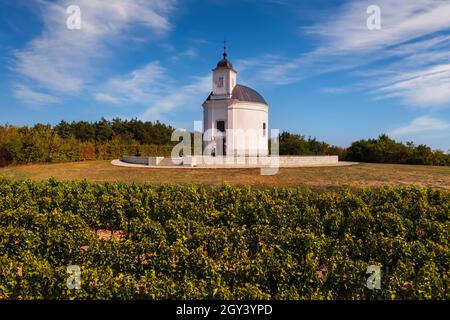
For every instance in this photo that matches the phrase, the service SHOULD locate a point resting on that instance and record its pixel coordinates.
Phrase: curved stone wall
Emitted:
(237, 162)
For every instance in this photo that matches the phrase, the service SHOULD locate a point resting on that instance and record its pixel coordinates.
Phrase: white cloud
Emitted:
(33, 97)
(138, 87)
(187, 96)
(189, 53)
(66, 61)
(151, 86)
(424, 87)
(401, 21)
(105, 97)
(333, 90)
(421, 125)
(414, 38)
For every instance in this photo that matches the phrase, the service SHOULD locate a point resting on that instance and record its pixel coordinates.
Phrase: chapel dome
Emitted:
(244, 94)
(224, 63)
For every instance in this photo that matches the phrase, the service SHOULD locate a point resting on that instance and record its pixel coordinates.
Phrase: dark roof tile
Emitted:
(244, 94)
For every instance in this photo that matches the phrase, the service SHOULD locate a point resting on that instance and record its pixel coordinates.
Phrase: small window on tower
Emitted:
(220, 82)
(221, 126)
(264, 129)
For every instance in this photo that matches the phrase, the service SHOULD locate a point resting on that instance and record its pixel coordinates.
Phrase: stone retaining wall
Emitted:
(136, 160)
(208, 161)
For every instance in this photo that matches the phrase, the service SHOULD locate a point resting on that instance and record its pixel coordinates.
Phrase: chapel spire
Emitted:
(224, 77)
(225, 50)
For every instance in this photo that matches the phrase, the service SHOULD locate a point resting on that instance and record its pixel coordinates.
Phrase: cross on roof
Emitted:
(225, 49)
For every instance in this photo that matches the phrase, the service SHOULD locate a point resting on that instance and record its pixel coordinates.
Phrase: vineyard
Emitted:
(135, 241)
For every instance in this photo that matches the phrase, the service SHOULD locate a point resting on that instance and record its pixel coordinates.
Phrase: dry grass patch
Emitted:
(319, 178)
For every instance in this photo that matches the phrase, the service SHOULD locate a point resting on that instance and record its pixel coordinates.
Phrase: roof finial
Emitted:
(225, 49)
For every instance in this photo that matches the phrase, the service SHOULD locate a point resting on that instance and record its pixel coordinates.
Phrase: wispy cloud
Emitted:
(187, 96)
(137, 87)
(414, 40)
(426, 87)
(105, 97)
(65, 61)
(152, 87)
(333, 90)
(421, 125)
(189, 53)
(32, 97)
(402, 21)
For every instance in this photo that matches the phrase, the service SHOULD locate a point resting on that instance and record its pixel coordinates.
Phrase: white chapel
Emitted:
(235, 127)
(235, 117)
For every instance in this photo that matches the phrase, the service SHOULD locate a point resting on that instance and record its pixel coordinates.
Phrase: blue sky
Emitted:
(322, 71)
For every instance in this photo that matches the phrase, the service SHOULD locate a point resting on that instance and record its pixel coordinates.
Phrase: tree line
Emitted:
(295, 144)
(380, 150)
(386, 150)
(130, 131)
(105, 139)
(82, 140)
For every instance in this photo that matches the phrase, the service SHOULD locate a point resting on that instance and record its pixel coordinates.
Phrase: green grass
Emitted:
(319, 178)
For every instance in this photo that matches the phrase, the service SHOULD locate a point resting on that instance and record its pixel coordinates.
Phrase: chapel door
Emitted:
(221, 141)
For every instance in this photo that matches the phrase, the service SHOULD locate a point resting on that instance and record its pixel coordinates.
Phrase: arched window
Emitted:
(220, 82)
(264, 129)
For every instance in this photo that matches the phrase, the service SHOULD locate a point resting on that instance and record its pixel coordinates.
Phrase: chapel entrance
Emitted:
(221, 140)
